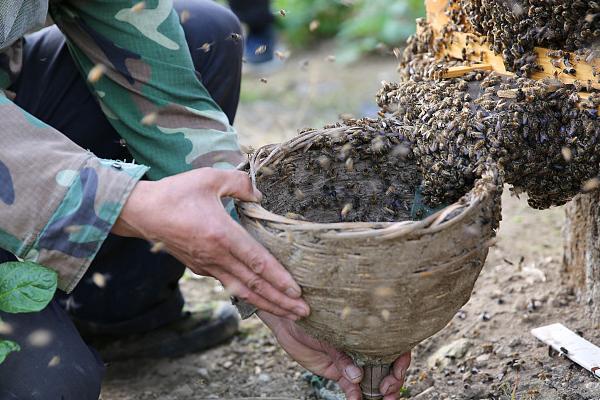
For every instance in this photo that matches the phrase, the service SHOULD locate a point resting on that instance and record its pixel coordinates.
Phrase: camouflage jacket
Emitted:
(58, 202)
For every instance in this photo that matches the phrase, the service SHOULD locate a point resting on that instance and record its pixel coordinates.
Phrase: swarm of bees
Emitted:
(366, 174)
(437, 135)
(513, 28)
(545, 141)
(541, 135)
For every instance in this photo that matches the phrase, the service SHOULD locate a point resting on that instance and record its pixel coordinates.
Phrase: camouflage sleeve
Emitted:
(144, 78)
(58, 202)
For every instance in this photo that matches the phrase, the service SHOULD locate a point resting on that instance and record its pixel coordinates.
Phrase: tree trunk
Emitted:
(582, 249)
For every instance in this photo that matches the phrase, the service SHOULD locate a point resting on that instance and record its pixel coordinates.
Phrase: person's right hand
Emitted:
(186, 215)
(324, 360)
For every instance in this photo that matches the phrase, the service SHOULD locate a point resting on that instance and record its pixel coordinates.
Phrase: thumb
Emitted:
(344, 364)
(237, 184)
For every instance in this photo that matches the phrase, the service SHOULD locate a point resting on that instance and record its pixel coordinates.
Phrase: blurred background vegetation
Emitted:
(358, 26)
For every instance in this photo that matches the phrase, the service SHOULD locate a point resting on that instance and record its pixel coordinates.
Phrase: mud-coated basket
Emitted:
(378, 289)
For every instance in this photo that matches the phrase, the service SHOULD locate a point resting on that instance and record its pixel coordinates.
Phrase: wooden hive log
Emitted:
(479, 51)
(581, 231)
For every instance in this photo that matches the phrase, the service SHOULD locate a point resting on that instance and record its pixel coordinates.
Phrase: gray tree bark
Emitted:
(581, 258)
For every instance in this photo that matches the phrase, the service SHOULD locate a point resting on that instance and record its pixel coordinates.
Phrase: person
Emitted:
(116, 142)
(259, 49)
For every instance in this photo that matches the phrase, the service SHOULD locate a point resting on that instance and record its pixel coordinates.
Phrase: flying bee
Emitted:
(236, 37)
(206, 47)
(346, 210)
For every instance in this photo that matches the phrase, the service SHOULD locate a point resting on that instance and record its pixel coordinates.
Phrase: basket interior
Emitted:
(349, 177)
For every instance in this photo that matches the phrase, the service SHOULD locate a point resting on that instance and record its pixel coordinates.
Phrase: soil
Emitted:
(521, 286)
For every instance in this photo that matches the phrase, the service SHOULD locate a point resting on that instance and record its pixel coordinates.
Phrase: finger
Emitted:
(236, 184)
(248, 251)
(236, 288)
(400, 366)
(390, 385)
(261, 287)
(352, 390)
(344, 364)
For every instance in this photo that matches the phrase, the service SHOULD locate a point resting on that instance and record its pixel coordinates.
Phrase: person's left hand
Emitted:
(324, 360)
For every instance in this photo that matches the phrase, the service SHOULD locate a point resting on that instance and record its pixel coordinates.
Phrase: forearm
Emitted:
(149, 90)
(58, 202)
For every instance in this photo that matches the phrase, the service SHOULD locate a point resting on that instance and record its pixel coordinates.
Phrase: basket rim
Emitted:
(481, 190)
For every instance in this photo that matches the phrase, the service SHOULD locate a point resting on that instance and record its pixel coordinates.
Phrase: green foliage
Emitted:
(378, 21)
(330, 15)
(6, 347)
(360, 26)
(25, 287)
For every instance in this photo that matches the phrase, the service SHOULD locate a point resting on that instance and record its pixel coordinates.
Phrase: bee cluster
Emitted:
(439, 135)
(514, 27)
(418, 59)
(366, 174)
(542, 138)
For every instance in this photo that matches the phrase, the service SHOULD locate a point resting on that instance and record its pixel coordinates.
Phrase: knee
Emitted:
(59, 373)
(207, 18)
(77, 382)
(226, 22)
(89, 384)
(73, 383)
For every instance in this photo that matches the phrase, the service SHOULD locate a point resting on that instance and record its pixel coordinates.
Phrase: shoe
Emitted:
(194, 332)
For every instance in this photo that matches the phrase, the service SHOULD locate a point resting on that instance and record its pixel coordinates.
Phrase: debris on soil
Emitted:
(446, 354)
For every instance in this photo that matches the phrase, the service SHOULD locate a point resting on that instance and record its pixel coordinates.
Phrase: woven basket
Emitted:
(377, 289)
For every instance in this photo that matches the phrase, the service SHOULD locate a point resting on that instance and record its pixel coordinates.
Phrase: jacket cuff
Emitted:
(94, 198)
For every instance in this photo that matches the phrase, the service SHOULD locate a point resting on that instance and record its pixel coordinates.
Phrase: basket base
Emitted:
(373, 375)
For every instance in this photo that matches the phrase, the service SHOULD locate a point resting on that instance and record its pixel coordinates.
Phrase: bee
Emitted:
(137, 7)
(346, 210)
(349, 165)
(236, 37)
(206, 47)
(184, 16)
(96, 73)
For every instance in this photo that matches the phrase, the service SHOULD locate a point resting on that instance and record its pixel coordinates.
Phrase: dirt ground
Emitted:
(521, 286)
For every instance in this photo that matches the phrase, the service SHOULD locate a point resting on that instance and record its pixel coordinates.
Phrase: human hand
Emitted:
(390, 385)
(324, 360)
(185, 214)
(316, 356)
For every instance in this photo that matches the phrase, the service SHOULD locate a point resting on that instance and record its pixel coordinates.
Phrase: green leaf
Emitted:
(7, 347)
(25, 287)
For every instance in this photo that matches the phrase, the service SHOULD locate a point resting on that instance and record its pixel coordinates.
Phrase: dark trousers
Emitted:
(141, 291)
(254, 13)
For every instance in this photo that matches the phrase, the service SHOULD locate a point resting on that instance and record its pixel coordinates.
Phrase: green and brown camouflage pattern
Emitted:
(58, 202)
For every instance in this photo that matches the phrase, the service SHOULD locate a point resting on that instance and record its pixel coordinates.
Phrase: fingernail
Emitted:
(353, 372)
(258, 195)
(293, 293)
(301, 311)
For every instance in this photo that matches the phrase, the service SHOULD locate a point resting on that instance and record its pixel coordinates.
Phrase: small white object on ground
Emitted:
(451, 351)
(570, 344)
